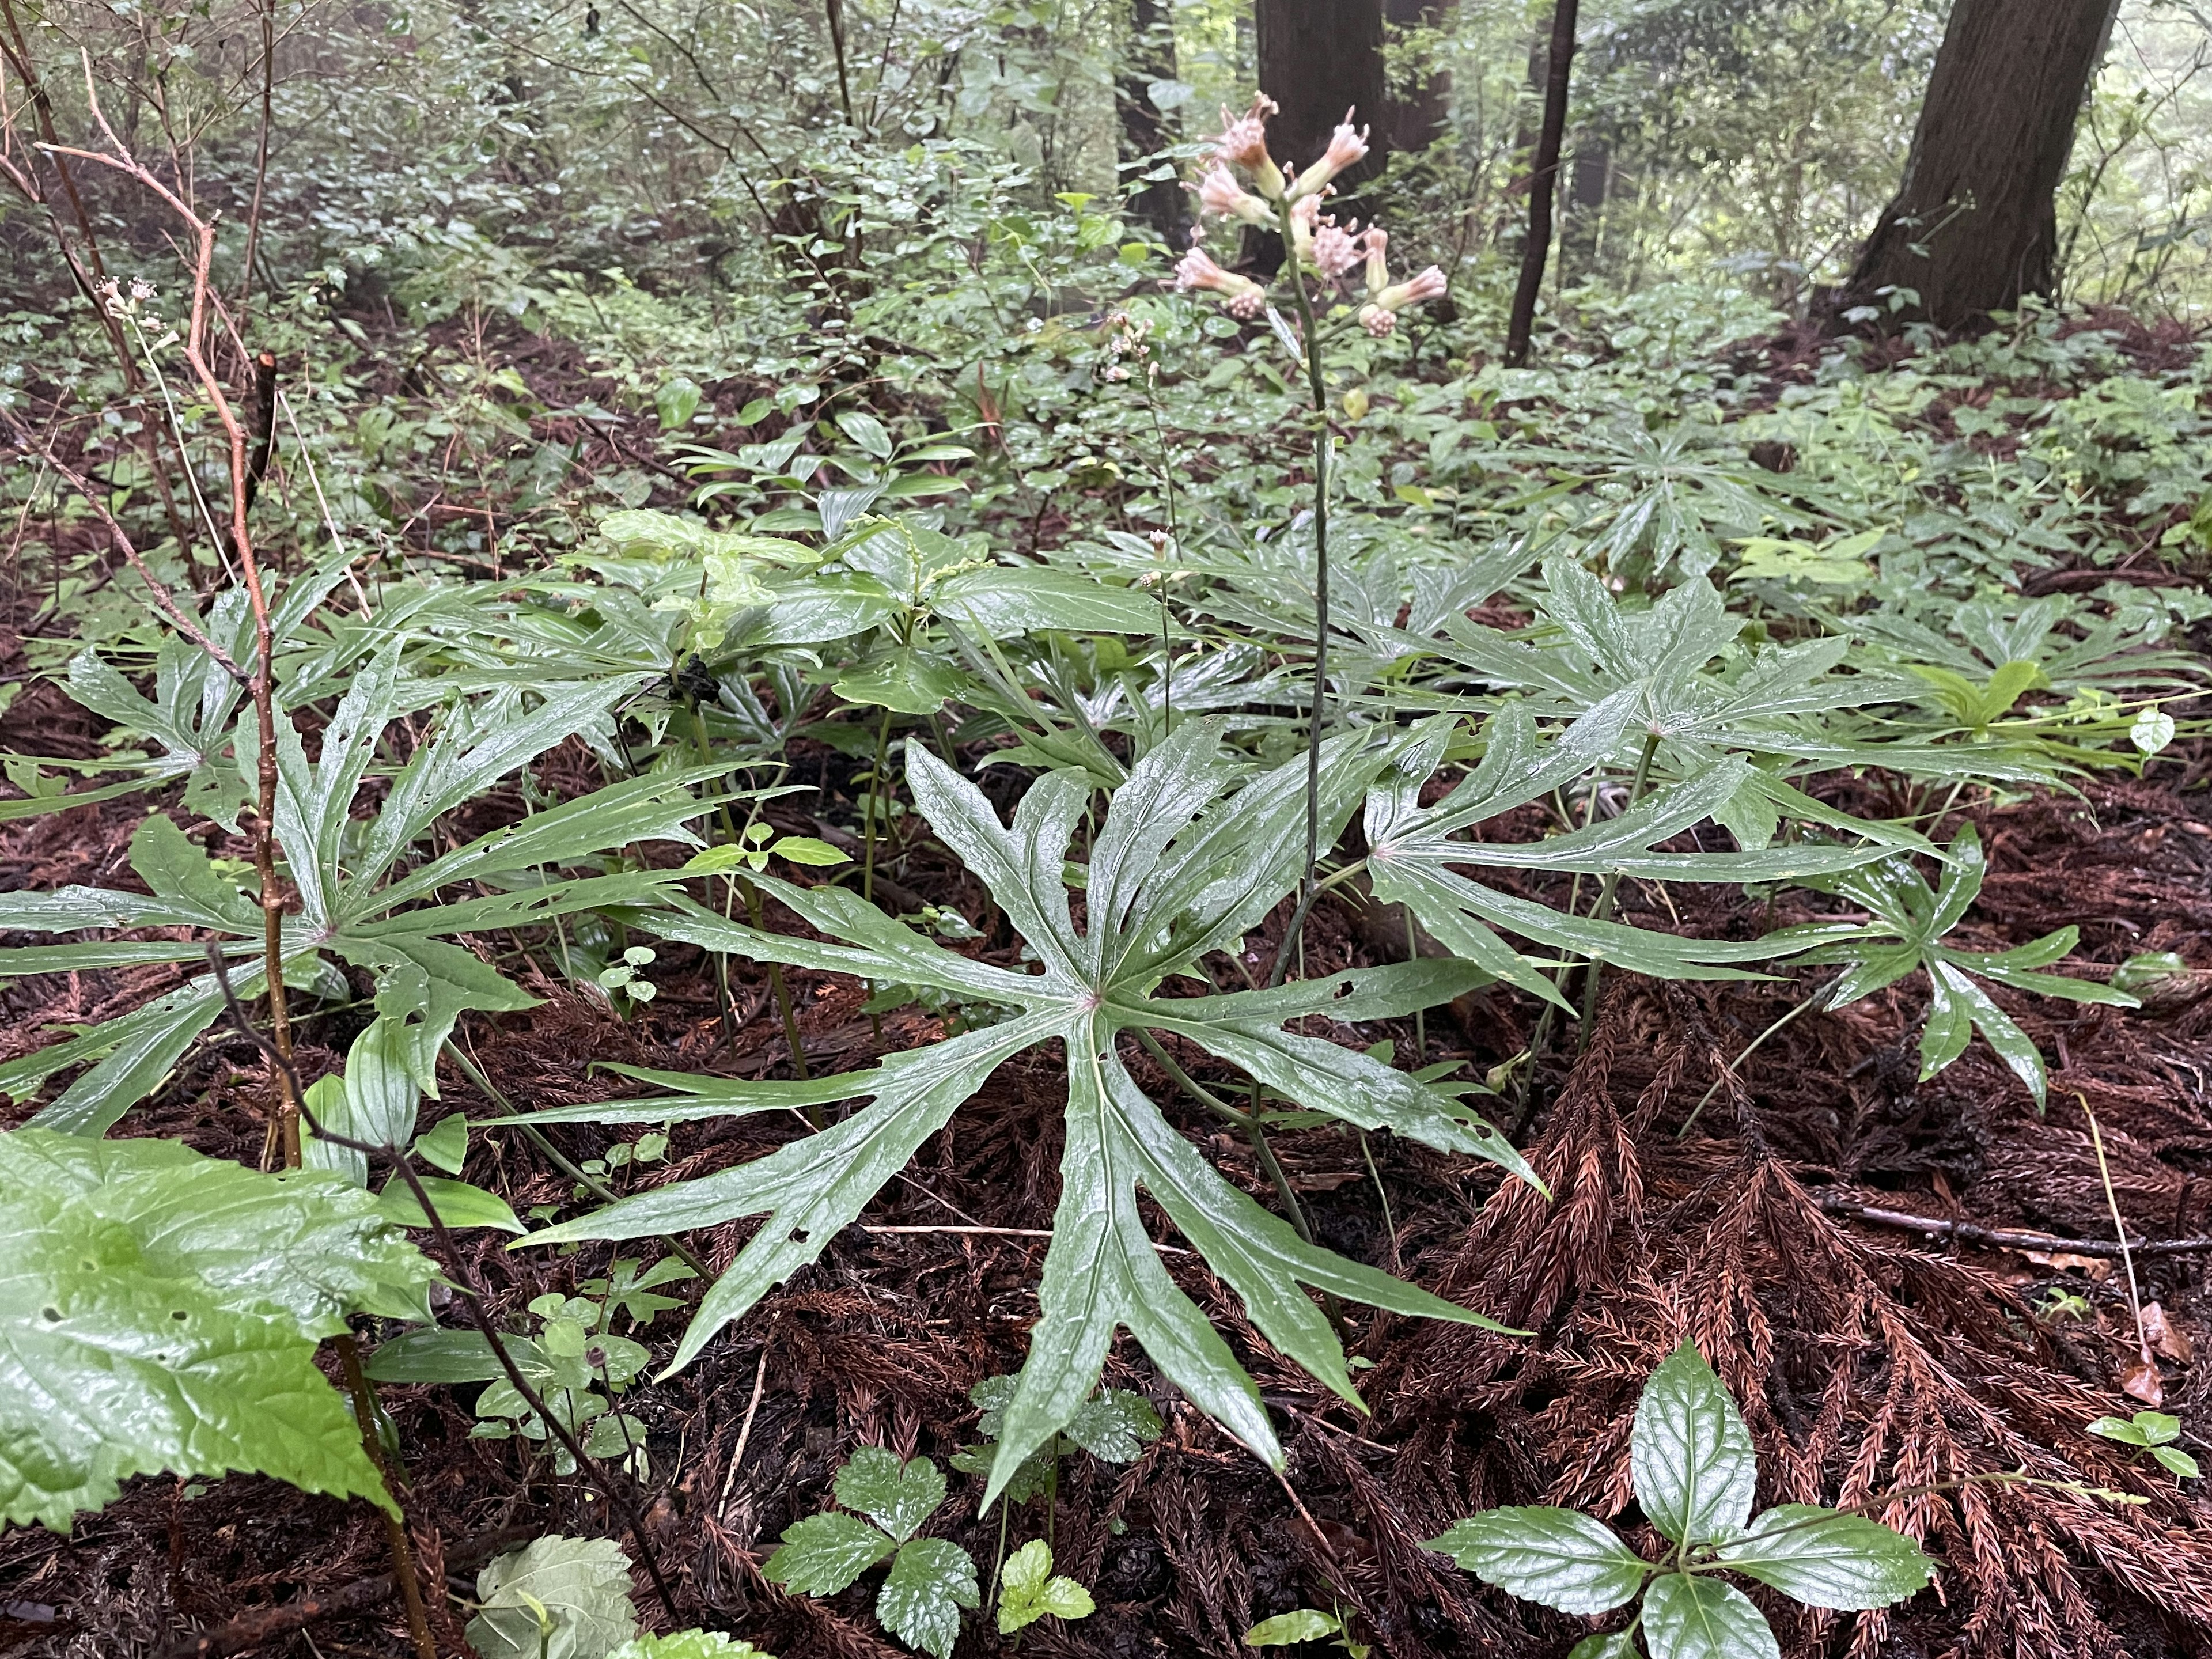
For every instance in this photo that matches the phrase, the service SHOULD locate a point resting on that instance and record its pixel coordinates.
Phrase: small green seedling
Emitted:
(629, 1290)
(1696, 1474)
(628, 975)
(1029, 1589)
(2058, 1303)
(757, 845)
(930, 1579)
(1304, 1624)
(2153, 1432)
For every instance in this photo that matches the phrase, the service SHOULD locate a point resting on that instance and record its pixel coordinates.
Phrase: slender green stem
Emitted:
(1183, 1079)
(1317, 386)
(1603, 909)
(875, 807)
(783, 990)
(1420, 1015)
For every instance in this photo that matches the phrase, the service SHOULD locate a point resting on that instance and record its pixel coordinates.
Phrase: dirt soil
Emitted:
(1867, 1357)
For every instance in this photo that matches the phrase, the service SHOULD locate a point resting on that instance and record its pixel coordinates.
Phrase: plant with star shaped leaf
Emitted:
(1191, 856)
(1906, 923)
(1695, 1473)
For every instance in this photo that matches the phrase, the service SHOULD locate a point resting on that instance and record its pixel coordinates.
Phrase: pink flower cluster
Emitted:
(1318, 242)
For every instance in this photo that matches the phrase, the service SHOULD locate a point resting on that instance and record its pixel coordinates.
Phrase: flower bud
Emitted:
(1196, 270)
(1336, 248)
(1427, 285)
(1221, 195)
(1378, 272)
(1377, 321)
(1345, 147)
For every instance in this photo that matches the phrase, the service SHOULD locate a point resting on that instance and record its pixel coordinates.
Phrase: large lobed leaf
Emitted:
(159, 1311)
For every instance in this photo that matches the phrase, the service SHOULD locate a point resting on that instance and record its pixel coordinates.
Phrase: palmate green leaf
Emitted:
(555, 1598)
(897, 1497)
(1826, 1558)
(1690, 1616)
(930, 1581)
(1186, 860)
(350, 908)
(1558, 1557)
(1415, 856)
(1908, 921)
(160, 1311)
(1689, 1454)
(824, 1553)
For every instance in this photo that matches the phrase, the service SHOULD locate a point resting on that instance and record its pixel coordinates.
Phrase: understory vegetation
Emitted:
(774, 884)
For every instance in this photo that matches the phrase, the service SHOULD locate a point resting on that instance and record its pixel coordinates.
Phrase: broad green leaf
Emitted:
(1826, 1558)
(1618, 1644)
(440, 1356)
(555, 1598)
(457, 1202)
(374, 1100)
(1558, 1557)
(931, 1580)
(1695, 1617)
(897, 1497)
(447, 1144)
(824, 1553)
(1284, 1629)
(1001, 601)
(1689, 1455)
(689, 1645)
(163, 1311)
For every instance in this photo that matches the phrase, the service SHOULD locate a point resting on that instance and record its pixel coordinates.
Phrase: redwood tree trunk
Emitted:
(1145, 129)
(1974, 224)
(1543, 183)
(1415, 115)
(1316, 58)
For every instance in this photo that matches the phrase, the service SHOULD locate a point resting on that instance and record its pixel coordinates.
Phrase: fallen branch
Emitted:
(264, 1625)
(2010, 1238)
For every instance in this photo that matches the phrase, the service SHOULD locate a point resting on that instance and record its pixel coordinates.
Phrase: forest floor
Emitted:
(1853, 1344)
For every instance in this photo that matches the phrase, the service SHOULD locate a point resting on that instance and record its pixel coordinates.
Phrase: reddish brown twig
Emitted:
(118, 158)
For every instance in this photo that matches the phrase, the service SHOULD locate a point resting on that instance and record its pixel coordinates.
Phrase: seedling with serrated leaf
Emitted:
(555, 1598)
(930, 1579)
(1029, 1589)
(1907, 922)
(1116, 1427)
(1695, 1473)
(2153, 1432)
(1192, 853)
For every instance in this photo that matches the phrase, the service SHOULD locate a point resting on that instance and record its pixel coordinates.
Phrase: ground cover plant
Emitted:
(820, 838)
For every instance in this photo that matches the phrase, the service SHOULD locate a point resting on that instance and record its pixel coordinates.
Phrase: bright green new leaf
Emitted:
(555, 1598)
(1029, 1589)
(824, 1553)
(457, 1202)
(1688, 1617)
(1562, 1559)
(931, 1580)
(1301, 1624)
(1690, 1454)
(689, 1645)
(1618, 1644)
(162, 1313)
(1826, 1558)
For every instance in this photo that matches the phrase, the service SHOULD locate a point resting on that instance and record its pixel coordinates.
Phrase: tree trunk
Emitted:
(1317, 58)
(1974, 224)
(1414, 115)
(1146, 129)
(1543, 183)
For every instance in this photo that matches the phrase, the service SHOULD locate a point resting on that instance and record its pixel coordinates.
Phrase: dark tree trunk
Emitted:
(1543, 183)
(1974, 224)
(1414, 115)
(1316, 58)
(1589, 183)
(1145, 129)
